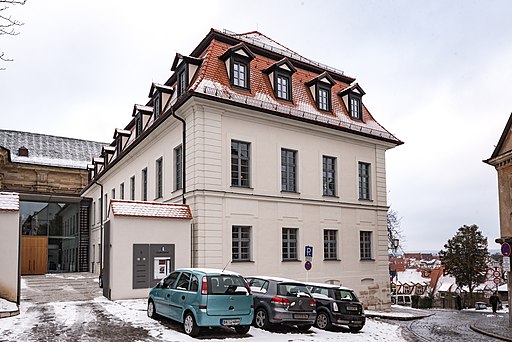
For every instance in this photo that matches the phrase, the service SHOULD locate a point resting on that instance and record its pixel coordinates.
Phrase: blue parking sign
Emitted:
(309, 251)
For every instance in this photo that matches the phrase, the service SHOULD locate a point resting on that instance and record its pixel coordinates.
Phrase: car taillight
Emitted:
(280, 301)
(335, 306)
(204, 286)
(312, 303)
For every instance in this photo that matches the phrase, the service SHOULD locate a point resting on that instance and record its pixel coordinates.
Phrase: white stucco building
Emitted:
(271, 151)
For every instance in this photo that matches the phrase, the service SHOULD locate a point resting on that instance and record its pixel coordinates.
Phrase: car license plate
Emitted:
(235, 321)
(352, 308)
(300, 316)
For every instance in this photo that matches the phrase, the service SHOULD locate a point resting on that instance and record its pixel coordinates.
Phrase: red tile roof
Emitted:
(212, 80)
(150, 209)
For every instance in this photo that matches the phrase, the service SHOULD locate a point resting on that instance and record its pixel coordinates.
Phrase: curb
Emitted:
(490, 334)
(6, 314)
(399, 318)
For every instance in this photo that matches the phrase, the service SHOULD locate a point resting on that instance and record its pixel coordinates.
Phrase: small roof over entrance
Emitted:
(150, 209)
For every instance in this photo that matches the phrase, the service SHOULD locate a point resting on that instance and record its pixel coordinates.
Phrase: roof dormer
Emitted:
(141, 114)
(160, 95)
(352, 97)
(238, 59)
(107, 152)
(98, 165)
(185, 68)
(320, 88)
(90, 172)
(280, 76)
(121, 137)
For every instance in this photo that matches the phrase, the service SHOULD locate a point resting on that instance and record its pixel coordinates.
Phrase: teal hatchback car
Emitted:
(203, 298)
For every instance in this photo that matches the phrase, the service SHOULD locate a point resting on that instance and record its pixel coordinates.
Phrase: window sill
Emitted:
(366, 200)
(332, 259)
(367, 260)
(330, 196)
(284, 192)
(242, 187)
(294, 260)
(244, 89)
(241, 261)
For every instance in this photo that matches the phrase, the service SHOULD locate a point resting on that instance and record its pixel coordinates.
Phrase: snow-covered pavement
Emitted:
(101, 319)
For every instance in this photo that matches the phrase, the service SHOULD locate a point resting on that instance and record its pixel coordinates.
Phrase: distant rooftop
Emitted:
(49, 150)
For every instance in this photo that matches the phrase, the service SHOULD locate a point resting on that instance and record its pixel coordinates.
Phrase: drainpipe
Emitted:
(184, 178)
(18, 290)
(101, 226)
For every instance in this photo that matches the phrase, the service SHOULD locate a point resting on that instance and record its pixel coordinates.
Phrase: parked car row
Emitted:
(211, 298)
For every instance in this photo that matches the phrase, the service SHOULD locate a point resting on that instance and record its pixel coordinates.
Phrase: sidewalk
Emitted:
(399, 313)
(497, 327)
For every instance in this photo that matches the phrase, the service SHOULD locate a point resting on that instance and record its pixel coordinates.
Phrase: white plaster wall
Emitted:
(9, 229)
(125, 232)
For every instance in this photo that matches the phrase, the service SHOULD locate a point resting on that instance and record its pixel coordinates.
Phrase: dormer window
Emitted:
(138, 124)
(121, 136)
(182, 82)
(157, 105)
(280, 76)
(238, 65)
(352, 97)
(321, 90)
(141, 116)
(119, 145)
(185, 68)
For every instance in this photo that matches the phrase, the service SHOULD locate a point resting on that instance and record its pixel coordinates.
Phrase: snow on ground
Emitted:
(5, 305)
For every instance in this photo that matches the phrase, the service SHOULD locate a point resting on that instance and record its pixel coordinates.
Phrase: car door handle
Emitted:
(168, 295)
(183, 297)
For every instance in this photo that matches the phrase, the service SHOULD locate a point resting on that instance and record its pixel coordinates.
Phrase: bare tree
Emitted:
(394, 229)
(8, 25)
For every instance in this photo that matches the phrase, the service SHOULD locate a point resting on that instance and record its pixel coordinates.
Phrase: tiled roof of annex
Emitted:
(9, 201)
(212, 79)
(150, 209)
(49, 150)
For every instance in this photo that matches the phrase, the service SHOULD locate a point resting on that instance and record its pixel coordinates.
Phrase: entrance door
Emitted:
(34, 255)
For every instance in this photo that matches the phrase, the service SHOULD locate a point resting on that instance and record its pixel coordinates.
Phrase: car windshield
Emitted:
(295, 290)
(340, 294)
(226, 285)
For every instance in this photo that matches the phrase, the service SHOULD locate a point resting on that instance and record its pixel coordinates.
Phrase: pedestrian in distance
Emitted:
(458, 302)
(494, 301)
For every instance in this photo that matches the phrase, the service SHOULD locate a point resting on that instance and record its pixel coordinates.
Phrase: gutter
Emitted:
(101, 227)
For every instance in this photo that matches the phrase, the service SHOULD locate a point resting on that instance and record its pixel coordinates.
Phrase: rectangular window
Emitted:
(329, 176)
(355, 108)
(240, 158)
(156, 105)
(240, 74)
(132, 188)
(241, 243)
(182, 82)
(178, 168)
(365, 245)
(159, 178)
(144, 181)
(330, 244)
(323, 99)
(289, 240)
(113, 194)
(364, 181)
(100, 209)
(288, 170)
(138, 124)
(119, 145)
(93, 212)
(283, 87)
(121, 191)
(105, 210)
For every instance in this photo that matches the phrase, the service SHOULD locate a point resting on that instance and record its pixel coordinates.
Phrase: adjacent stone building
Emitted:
(271, 151)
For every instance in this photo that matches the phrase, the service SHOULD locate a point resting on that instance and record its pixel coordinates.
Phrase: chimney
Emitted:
(23, 151)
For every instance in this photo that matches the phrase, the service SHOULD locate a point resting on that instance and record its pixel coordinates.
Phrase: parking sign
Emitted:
(308, 252)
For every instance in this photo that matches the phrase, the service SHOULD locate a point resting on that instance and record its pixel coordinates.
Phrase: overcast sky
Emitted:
(437, 74)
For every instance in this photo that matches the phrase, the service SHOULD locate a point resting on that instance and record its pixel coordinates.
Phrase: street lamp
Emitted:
(396, 243)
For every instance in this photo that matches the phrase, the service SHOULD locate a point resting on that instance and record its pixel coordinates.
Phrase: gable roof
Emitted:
(9, 201)
(150, 209)
(49, 150)
(501, 143)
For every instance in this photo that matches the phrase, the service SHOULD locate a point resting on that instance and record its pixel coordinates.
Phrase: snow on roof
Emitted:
(150, 209)
(411, 276)
(49, 150)
(446, 284)
(331, 286)
(9, 201)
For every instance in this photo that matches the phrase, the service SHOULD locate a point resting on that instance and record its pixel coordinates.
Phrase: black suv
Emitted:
(282, 301)
(338, 306)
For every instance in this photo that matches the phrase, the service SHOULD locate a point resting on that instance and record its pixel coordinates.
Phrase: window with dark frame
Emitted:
(144, 180)
(289, 243)
(365, 245)
(182, 82)
(119, 145)
(364, 181)
(121, 191)
(132, 188)
(241, 243)
(324, 99)
(138, 124)
(105, 205)
(157, 104)
(159, 178)
(113, 194)
(288, 170)
(240, 160)
(329, 176)
(355, 108)
(330, 244)
(178, 169)
(240, 73)
(283, 86)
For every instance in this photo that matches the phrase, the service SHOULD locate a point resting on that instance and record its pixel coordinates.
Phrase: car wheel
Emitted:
(355, 329)
(261, 319)
(190, 326)
(304, 328)
(151, 309)
(242, 329)
(323, 321)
